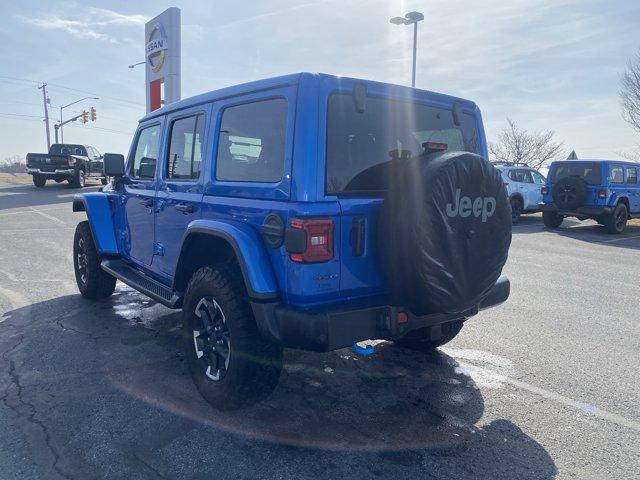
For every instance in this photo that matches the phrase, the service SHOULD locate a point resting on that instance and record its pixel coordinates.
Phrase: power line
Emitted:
(20, 115)
(57, 85)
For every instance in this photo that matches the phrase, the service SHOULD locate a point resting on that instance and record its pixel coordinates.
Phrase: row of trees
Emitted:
(14, 164)
(534, 149)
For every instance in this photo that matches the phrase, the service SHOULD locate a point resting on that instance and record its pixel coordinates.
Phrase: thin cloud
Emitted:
(94, 25)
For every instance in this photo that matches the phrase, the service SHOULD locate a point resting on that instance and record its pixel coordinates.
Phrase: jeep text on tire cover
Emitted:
(274, 223)
(465, 206)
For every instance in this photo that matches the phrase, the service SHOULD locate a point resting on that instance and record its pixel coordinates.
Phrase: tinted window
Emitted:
(588, 171)
(632, 175)
(185, 148)
(522, 176)
(362, 145)
(537, 178)
(146, 153)
(252, 141)
(64, 149)
(616, 175)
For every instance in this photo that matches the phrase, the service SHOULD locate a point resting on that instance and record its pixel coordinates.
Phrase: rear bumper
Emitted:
(326, 330)
(591, 211)
(55, 173)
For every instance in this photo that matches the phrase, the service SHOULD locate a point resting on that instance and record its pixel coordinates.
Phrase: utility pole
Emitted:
(46, 113)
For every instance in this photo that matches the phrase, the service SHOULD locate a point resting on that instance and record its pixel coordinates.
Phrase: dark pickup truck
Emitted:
(73, 163)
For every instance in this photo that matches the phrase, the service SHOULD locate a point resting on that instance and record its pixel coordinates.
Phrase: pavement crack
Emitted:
(31, 416)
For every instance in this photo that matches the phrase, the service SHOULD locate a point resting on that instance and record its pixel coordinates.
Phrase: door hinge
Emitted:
(158, 249)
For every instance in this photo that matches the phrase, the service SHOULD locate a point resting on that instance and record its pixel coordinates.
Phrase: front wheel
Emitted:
(552, 219)
(617, 221)
(516, 209)
(230, 363)
(39, 181)
(427, 343)
(93, 282)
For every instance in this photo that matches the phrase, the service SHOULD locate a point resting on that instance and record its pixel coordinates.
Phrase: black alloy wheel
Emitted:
(211, 339)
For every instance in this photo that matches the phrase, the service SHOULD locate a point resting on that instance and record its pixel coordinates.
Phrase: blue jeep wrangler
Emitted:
(306, 211)
(604, 190)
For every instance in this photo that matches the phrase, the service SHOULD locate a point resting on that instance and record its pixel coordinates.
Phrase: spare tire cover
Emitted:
(570, 192)
(444, 231)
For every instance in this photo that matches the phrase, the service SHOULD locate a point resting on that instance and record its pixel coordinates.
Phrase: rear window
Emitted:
(61, 149)
(361, 146)
(588, 171)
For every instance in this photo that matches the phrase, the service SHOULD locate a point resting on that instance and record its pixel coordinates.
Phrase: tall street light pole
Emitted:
(65, 106)
(408, 19)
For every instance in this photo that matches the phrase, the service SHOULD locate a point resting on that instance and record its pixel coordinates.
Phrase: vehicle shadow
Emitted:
(21, 196)
(108, 382)
(586, 231)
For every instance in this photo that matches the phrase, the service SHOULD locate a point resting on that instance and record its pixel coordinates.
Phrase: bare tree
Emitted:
(630, 93)
(524, 148)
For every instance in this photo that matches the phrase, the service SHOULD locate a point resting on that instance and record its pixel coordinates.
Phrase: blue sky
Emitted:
(548, 64)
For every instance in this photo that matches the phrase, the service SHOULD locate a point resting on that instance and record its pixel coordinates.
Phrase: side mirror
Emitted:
(113, 165)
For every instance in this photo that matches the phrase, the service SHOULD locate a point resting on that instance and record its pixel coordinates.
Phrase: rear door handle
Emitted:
(148, 202)
(184, 208)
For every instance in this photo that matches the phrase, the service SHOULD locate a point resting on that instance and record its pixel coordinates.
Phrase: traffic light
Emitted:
(93, 114)
(85, 117)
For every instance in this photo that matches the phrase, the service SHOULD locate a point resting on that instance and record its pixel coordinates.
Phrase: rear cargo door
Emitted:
(364, 137)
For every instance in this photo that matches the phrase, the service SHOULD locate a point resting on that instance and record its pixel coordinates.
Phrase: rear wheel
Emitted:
(617, 221)
(78, 180)
(93, 282)
(427, 343)
(39, 181)
(230, 363)
(552, 219)
(516, 209)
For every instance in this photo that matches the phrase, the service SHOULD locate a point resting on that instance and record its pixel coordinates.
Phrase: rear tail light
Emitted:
(71, 161)
(544, 190)
(318, 240)
(602, 193)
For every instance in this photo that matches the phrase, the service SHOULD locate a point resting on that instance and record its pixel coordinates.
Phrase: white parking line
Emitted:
(588, 409)
(50, 217)
(32, 210)
(620, 239)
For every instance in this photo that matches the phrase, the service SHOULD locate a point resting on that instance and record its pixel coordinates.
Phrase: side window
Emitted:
(526, 176)
(538, 178)
(513, 175)
(251, 142)
(616, 175)
(632, 175)
(185, 148)
(146, 153)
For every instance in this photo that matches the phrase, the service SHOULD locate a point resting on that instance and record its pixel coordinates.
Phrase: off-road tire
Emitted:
(93, 282)
(552, 219)
(78, 180)
(254, 364)
(516, 209)
(617, 221)
(449, 332)
(39, 181)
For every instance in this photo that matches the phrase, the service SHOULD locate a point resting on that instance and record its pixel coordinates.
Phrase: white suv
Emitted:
(523, 187)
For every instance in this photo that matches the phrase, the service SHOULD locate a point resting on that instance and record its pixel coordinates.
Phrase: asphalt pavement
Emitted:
(544, 386)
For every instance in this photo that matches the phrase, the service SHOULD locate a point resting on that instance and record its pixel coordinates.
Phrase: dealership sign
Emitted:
(157, 45)
(162, 58)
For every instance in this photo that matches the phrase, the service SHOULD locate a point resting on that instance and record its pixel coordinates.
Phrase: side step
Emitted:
(141, 282)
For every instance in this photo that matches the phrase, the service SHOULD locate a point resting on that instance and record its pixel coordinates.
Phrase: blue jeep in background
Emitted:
(603, 190)
(307, 211)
